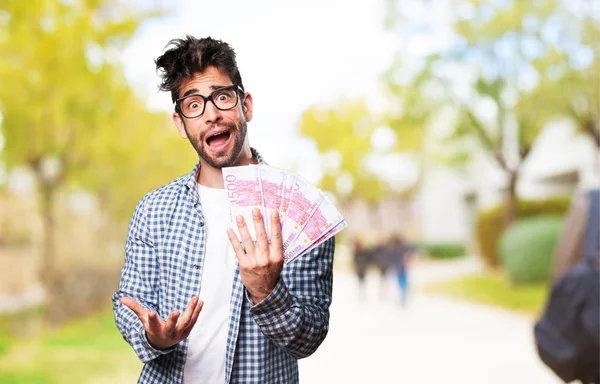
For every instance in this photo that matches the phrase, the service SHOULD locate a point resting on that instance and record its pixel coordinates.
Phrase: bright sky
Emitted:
(290, 55)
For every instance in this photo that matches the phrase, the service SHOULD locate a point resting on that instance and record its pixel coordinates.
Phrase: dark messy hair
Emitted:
(189, 55)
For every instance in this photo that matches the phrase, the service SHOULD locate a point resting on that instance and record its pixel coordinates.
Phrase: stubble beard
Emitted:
(228, 157)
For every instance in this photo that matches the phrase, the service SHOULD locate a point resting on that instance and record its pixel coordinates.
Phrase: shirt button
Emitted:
(196, 266)
(202, 223)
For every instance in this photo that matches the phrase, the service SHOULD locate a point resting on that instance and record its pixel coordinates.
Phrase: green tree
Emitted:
(553, 42)
(413, 109)
(137, 152)
(525, 63)
(67, 112)
(342, 134)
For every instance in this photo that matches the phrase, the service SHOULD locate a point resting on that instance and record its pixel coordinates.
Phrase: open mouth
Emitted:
(218, 140)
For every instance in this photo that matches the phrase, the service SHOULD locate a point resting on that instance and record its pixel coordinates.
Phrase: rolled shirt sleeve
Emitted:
(138, 281)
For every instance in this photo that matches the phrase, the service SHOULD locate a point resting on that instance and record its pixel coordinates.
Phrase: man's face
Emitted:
(218, 136)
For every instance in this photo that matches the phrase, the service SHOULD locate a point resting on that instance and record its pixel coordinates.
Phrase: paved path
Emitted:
(434, 340)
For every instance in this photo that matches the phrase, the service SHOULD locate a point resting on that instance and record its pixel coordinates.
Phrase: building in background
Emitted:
(560, 162)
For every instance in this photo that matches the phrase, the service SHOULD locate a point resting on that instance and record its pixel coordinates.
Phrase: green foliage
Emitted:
(490, 223)
(144, 153)
(567, 67)
(52, 95)
(513, 43)
(412, 107)
(495, 289)
(344, 132)
(90, 350)
(64, 97)
(527, 248)
(444, 250)
(19, 324)
(5, 341)
(511, 68)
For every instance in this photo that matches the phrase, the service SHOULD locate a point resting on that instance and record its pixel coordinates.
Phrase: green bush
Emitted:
(489, 224)
(527, 248)
(443, 250)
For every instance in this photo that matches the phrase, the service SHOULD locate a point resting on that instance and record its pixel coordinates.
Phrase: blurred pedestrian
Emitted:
(372, 256)
(401, 255)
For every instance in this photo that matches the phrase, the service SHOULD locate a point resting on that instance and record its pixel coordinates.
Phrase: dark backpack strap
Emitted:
(592, 234)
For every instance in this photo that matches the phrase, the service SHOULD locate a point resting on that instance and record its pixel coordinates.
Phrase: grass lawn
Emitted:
(84, 351)
(494, 288)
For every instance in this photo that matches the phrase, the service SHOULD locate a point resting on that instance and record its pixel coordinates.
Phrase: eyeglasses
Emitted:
(223, 98)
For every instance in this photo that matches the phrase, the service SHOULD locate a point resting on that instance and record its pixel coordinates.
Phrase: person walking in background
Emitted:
(401, 255)
(360, 261)
(373, 256)
(195, 306)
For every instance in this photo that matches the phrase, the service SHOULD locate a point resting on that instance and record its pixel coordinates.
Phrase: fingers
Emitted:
(246, 238)
(235, 243)
(130, 303)
(155, 324)
(171, 323)
(177, 326)
(259, 227)
(184, 320)
(276, 237)
(193, 319)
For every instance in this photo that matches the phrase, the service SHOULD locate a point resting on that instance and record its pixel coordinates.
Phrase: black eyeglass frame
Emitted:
(208, 98)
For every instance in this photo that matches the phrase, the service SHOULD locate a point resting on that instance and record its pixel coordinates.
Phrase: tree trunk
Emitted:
(105, 230)
(48, 271)
(512, 202)
(592, 129)
(49, 243)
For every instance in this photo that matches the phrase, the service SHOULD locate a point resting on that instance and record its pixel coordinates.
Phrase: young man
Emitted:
(195, 304)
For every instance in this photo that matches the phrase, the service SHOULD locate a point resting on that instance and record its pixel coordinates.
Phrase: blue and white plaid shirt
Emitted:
(164, 254)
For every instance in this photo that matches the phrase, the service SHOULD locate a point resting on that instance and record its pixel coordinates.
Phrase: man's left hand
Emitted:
(260, 264)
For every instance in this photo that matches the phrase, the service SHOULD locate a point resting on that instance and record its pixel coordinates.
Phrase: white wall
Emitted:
(559, 150)
(443, 212)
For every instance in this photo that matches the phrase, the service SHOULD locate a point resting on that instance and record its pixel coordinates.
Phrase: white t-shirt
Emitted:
(208, 340)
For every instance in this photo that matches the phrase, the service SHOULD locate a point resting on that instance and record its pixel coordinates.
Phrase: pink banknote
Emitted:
(324, 218)
(288, 188)
(243, 190)
(271, 182)
(303, 202)
(332, 232)
(307, 217)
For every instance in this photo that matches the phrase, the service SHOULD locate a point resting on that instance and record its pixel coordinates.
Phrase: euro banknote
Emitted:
(307, 216)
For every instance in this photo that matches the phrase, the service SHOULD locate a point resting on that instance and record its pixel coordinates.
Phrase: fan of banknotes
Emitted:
(306, 215)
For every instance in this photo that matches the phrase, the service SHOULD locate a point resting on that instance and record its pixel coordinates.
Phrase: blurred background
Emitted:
(464, 126)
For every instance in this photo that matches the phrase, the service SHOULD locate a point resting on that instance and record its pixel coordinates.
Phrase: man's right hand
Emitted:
(161, 334)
